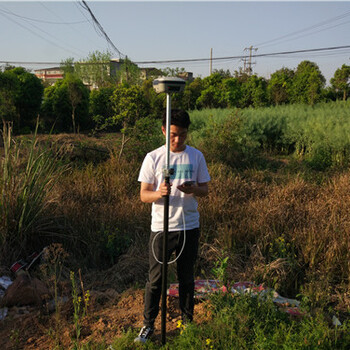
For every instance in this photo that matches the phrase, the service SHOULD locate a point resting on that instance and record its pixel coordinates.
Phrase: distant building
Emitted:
(116, 64)
(49, 75)
(188, 76)
(149, 73)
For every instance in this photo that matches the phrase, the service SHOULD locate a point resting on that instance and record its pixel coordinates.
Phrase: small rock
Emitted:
(25, 291)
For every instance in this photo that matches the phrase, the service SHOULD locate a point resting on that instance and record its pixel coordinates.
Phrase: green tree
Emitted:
(172, 72)
(254, 92)
(9, 85)
(191, 94)
(233, 91)
(128, 73)
(224, 73)
(78, 96)
(66, 105)
(95, 70)
(28, 97)
(212, 95)
(100, 107)
(341, 80)
(129, 105)
(67, 66)
(155, 101)
(279, 86)
(308, 83)
(241, 75)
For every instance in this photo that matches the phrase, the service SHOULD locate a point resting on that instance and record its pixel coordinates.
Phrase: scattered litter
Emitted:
(3, 313)
(203, 288)
(18, 266)
(5, 282)
(25, 264)
(51, 305)
(336, 321)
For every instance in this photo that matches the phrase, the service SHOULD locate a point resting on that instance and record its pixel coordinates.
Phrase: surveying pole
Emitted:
(168, 85)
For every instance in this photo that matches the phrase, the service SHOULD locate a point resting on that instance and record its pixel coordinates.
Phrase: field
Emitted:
(278, 214)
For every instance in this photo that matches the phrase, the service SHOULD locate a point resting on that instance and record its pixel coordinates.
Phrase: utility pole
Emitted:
(211, 62)
(248, 66)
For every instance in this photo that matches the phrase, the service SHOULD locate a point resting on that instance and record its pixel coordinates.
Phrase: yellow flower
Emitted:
(208, 341)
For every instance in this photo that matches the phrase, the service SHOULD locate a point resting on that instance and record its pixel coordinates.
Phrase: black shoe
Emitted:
(144, 334)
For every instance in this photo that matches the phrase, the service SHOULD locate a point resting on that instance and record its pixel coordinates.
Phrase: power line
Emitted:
(320, 24)
(228, 58)
(245, 56)
(40, 36)
(39, 20)
(100, 28)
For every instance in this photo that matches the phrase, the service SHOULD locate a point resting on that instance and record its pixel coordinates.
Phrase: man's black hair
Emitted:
(179, 117)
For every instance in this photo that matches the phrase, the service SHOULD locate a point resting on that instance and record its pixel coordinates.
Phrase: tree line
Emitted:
(70, 106)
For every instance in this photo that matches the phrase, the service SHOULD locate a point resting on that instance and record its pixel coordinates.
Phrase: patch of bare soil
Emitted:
(109, 314)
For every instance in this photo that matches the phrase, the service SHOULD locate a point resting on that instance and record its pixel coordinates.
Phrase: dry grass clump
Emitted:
(102, 207)
(292, 235)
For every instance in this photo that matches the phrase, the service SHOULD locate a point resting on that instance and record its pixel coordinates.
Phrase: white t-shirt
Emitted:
(188, 165)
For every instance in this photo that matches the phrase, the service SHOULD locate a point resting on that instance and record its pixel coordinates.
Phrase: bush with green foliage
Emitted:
(66, 106)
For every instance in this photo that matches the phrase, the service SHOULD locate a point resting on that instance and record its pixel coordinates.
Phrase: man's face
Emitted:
(178, 137)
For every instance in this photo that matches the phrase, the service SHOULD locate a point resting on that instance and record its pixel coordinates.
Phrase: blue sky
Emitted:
(48, 31)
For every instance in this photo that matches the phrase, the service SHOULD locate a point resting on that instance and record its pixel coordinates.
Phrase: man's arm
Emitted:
(148, 195)
(199, 190)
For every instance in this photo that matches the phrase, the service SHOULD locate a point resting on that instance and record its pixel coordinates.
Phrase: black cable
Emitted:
(346, 14)
(245, 56)
(99, 26)
(33, 32)
(39, 20)
(283, 54)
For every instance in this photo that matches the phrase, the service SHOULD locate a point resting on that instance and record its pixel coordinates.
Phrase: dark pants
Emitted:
(185, 273)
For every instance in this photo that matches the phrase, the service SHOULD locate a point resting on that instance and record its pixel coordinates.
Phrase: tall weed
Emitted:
(318, 135)
(28, 175)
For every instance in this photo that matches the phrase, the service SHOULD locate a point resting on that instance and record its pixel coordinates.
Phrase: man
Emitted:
(189, 180)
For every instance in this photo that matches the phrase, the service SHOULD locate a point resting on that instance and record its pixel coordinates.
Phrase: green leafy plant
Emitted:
(220, 270)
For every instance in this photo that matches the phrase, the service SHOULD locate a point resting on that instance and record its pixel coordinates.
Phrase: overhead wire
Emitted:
(304, 30)
(87, 38)
(282, 54)
(40, 20)
(100, 28)
(243, 56)
(38, 35)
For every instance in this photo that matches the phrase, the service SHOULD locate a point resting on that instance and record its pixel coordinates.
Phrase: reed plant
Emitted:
(28, 174)
(317, 135)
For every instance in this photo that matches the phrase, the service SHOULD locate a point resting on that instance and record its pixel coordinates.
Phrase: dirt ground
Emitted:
(109, 314)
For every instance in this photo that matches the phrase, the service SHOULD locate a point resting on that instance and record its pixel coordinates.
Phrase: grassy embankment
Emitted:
(278, 209)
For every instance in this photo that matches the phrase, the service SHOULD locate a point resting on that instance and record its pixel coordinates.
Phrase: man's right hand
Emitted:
(164, 189)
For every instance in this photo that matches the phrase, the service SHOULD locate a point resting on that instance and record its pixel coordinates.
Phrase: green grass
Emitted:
(247, 322)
